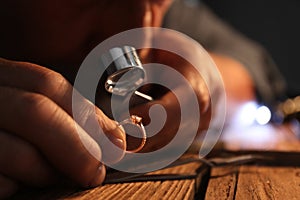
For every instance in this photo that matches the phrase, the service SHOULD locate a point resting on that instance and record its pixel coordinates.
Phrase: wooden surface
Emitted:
(183, 188)
(275, 179)
(169, 189)
(253, 182)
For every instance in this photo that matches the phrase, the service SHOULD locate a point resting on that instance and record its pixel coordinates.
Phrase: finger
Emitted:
(40, 121)
(190, 73)
(189, 53)
(7, 187)
(43, 81)
(37, 79)
(172, 119)
(34, 78)
(21, 161)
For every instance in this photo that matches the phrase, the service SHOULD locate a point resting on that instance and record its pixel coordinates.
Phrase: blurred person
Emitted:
(272, 24)
(244, 57)
(43, 43)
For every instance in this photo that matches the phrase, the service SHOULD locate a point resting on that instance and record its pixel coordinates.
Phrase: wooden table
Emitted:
(279, 179)
(184, 187)
(254, 182)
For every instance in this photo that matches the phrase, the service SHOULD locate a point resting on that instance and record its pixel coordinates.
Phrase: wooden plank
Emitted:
(268, 183)
(222, 183)
(183, 189)
(169, 189)
(254, 182)
(279, 181)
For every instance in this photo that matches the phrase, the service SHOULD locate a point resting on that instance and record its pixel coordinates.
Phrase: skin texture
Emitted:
(43, 44)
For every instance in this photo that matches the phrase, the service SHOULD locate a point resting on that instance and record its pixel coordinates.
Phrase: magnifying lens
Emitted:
(124, 61)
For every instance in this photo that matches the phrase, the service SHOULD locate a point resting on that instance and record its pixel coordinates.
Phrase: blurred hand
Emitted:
(238, 89)
(39, 141)
(167, 99)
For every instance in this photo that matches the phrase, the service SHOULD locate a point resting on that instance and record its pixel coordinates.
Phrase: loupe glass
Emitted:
(123, 62)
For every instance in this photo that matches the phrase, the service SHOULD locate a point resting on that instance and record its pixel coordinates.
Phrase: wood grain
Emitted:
(184, 189)
(254, 182)
(172, 189)
(272, 179)
(268, 183)
(222, 183)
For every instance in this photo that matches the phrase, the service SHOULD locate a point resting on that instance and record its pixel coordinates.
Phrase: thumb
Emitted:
(106, 132)
(112, 140)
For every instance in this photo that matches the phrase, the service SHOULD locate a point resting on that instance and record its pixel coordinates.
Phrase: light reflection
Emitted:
(250, 127)
(263, 115)
(245, 115)
(251, 113)
(252, 137)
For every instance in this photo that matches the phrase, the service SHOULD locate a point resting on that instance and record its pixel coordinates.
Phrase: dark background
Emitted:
(273, 23)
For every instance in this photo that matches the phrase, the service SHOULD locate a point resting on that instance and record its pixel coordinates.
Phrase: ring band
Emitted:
(136, 120)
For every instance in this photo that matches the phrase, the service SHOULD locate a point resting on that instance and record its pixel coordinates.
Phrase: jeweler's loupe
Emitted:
(124, 62)
(125, 74)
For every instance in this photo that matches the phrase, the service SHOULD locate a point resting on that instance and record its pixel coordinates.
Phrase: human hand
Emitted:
(172, 114)
(167, 99)
(39, 141)
(239, 89)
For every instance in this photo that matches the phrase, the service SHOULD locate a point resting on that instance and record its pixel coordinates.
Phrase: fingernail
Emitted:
(110, 127)
(114, 150)
(117, 136)
(99, 176)
(118, 133)
(114, 145)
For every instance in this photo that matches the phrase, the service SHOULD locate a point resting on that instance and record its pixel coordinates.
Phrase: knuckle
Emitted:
(50, 82)
(31, 103)
(42, 112)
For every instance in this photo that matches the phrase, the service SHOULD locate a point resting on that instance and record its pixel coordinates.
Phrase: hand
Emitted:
(166, 97)
(39, 142)
(228, 68)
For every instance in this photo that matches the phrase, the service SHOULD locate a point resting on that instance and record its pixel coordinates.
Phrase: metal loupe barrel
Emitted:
(125, 72)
